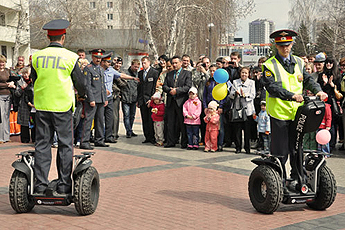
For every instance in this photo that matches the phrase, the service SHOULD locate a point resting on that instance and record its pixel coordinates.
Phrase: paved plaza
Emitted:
(149, 187)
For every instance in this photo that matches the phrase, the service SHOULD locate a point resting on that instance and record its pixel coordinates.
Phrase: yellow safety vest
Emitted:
(53, 88)
(276, 107)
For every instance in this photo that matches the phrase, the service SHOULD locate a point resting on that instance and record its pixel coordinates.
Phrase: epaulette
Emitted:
(89, 65)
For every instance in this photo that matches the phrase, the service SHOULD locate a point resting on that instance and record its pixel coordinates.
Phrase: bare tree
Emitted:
(77, 12)
(325, 20)
(175, 26)
(144, 12)
(306, 11)
(22, 33)
(181, 25)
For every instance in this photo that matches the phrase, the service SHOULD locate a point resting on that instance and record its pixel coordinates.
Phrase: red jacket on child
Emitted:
(213, 123)
(327, 118)
(159, 116)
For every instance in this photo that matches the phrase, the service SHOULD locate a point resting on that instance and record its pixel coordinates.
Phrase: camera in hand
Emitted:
(203, 65)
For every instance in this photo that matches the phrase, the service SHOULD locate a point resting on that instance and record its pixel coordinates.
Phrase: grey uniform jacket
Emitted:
(95, 84)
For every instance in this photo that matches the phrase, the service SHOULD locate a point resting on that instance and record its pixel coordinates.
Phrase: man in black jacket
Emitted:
(146, 88)
(129, 95)
(177, 84)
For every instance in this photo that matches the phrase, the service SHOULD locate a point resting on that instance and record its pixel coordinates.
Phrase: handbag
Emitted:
(336, 108)
(237, 112)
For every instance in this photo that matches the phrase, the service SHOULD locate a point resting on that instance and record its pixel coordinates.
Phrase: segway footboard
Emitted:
(51, 197)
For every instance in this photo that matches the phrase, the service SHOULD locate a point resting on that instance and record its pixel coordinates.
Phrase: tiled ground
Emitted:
(147, 187)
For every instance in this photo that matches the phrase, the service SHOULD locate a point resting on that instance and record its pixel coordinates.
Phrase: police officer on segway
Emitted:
(55, 71)
(285, 78)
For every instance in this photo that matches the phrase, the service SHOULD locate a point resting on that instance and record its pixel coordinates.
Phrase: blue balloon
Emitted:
(221, 76)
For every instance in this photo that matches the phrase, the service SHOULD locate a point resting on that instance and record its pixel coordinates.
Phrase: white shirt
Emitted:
(248, 88)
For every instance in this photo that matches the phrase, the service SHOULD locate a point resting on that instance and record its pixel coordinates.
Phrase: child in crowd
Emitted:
(264, 127)
(212, 126)
(326, 124)
(157, 110)
(26, 110)
(191, 114)
(309, 139)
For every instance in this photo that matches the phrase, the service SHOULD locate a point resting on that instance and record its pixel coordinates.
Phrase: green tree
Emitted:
(302, 42)
(273, 49)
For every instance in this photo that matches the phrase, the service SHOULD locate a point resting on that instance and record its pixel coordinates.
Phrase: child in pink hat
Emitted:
(212, 127)
(191, 114)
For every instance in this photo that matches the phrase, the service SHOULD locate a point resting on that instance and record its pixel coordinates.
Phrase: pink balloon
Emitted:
(323, 136)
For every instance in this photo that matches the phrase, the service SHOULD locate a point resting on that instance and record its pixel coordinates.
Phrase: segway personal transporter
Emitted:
(316, 185)
(85, 189)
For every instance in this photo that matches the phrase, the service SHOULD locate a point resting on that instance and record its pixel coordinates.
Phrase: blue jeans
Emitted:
(78, 131)
(264, 141)
(193, 135)
(128, 110)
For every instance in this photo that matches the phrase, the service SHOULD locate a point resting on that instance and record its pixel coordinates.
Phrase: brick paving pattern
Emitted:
(148, 187)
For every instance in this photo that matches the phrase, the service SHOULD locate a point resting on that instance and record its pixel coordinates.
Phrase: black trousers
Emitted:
(109, 120)
(229, 130)
(246, 127)
(283, 138)
(93, 113)
(147, 123)
(176, 122)
(25, 134)
(46, 124)
(202, 125)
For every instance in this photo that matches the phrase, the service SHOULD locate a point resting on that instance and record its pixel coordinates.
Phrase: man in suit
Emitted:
(95, 102)
(146, 88)
(177, 84)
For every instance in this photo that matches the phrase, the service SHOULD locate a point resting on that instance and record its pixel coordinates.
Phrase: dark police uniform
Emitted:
(95, 92)
(55, 71)
(283, 79)
(109, 78)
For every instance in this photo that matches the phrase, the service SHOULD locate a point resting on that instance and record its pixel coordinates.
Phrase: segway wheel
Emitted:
(20, 200)
(86, 191)
(327, 190)
(265, 189)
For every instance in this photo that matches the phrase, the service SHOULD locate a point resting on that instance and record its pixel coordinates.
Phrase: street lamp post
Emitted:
(210, 39)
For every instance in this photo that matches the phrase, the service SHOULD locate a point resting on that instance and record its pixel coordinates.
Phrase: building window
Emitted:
(110, 4)
(110, 16)
(4, 51)
(110, 27)
(92, 5)
(2, 19)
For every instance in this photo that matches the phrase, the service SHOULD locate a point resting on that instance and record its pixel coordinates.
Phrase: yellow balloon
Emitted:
(220, 91)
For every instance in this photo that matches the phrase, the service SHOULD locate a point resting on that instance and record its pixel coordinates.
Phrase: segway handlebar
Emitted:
(309, 98)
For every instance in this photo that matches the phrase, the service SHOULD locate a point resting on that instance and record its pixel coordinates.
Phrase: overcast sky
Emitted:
(275, 10)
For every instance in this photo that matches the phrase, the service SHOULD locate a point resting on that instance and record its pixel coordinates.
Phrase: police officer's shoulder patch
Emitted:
(268, 73)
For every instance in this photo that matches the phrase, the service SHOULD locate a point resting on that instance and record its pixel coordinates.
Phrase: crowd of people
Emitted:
(175, 99)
